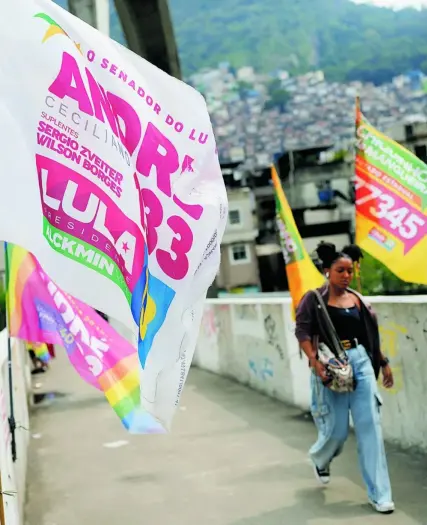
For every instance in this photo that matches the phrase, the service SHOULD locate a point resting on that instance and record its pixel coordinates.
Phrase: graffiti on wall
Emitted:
(290, 328)
(272, 337)
(392, 335)
(261, 368)
(210, 323)
(247, 312)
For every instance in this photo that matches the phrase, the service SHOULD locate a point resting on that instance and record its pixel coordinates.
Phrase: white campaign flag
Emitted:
(109, 175)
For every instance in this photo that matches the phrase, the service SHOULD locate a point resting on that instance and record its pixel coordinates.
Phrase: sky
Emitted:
(397, 4)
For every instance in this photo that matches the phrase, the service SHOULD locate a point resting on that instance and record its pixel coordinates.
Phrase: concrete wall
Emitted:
(398, 131)
(253, 342)
(13, 474)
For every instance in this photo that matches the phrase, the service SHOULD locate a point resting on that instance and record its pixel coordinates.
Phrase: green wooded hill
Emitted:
(348, 41)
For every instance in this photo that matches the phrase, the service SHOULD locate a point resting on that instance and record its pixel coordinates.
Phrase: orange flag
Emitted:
(300, 269)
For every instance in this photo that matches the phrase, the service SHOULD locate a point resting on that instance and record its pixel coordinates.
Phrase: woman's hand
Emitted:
(320, 370)
(388, 380)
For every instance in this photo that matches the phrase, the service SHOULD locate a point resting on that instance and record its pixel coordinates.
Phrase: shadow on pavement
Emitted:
(305, 513)
(408, 470)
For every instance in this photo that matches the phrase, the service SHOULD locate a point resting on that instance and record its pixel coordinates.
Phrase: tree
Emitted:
(243, 87)
(377, 279)
(278, 97)
(344, 39)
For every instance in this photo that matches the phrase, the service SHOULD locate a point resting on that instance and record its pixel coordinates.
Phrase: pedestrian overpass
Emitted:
(146, 25)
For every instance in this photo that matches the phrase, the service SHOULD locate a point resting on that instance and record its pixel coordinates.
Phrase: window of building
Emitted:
(421, 152)
(409, 132)
(234, 217)
(239, 254)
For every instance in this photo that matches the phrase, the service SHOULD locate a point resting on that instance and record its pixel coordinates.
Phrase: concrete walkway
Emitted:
(234, 458)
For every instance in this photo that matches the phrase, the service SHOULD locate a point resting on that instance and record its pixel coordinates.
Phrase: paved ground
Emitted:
(234, 458)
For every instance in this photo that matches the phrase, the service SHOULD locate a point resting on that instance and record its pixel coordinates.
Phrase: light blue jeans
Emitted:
(331, 410)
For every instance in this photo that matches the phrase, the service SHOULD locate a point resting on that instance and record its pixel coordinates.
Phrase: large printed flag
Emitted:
(391, 203)
(109, 175)
(300, 269)
(41, 312)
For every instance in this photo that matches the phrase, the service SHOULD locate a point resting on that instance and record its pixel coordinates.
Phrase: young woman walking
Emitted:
(356, 327)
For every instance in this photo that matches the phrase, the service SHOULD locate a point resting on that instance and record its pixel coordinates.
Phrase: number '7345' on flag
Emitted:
(391, 203)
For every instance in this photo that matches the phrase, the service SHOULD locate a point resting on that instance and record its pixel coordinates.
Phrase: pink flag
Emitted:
(42, 312)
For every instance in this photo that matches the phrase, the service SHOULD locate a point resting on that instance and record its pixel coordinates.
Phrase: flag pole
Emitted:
(356, 265)
(12, 422)
(2, 516)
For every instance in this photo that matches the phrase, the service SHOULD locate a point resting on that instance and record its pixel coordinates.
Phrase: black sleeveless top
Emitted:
(347, 322)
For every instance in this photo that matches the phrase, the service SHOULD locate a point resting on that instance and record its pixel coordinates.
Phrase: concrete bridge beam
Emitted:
(147, 26)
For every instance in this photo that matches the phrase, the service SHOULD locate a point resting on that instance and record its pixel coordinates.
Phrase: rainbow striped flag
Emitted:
(40, 311)
(300, 269)
(40, 350)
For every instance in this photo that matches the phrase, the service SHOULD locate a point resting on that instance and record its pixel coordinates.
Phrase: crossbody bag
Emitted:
(335, 360)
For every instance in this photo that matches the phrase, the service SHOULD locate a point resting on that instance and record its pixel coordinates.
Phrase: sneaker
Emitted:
(383, 508)
(38, 371)
(322, 475)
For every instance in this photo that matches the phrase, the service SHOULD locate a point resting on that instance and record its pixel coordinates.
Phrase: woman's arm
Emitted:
(388, 380)
(304, 318)
(304, 333)
(309, 351)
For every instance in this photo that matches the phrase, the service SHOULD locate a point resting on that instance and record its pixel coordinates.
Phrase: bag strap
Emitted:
(338, 350)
